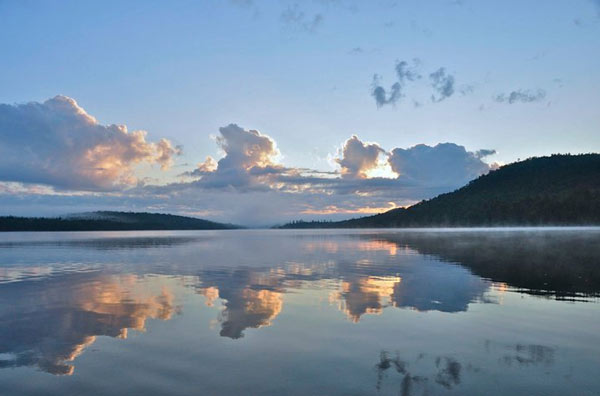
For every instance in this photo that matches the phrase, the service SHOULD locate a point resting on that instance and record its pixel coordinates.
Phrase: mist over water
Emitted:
(332, 312)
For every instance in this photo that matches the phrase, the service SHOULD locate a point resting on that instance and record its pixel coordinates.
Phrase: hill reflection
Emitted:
(555, 264)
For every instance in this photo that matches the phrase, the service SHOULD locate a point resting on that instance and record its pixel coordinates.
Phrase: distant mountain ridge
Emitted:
(554, 190)
(110, 221)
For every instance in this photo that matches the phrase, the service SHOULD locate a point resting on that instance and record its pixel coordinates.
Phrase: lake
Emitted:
(312, 312)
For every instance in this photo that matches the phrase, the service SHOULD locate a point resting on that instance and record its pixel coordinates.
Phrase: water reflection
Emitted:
(366, 295)
(48, 323)
(561, 265)
(51, 312)
(429, 374)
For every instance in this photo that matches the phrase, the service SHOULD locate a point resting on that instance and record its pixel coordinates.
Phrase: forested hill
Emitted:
(109, 221)
(555, 190)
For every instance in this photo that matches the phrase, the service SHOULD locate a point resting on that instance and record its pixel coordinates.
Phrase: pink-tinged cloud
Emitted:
(57, 143)
(357, 158)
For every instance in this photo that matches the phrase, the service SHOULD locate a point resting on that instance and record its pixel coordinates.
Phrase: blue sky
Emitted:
(302, 74)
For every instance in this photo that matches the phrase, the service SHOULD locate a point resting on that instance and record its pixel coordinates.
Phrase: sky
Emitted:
(261, 112)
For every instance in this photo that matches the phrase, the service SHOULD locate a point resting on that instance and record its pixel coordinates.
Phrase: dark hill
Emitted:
(109, 221)
(555, 190)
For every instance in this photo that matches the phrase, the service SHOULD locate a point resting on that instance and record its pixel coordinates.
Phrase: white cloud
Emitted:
(57, 143)
(62, 146)
(445, 164)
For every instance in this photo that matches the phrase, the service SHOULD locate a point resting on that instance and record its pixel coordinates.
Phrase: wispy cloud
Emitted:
(404, 73)
(293, 16)
(383, 96)
(521, 96)
(442, 83)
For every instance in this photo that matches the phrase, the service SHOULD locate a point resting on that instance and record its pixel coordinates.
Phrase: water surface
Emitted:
(332, 312)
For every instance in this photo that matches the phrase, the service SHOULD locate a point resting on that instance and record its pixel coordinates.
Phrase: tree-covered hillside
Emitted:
(554, 190)
(109, 221)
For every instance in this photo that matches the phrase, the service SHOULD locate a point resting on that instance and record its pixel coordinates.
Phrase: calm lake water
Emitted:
(333, 312)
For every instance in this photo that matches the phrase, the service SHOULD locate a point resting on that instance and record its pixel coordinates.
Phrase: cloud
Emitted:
(521, 96)
(358, 158)
(248, 156)
(442, 83)
(58, 143)
(445, 164)
(294, 16)
(380, 94)
(484, 153)
(405, 73)
(246, 185)
(209, 165)
(166, 152)
(274, 191)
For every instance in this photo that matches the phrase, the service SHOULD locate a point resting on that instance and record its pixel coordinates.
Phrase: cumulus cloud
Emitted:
(58, 143)
(248, 156)
(165, 153)
(445, 164)
(209, 165)
(442, 83)
(521, 96)
(358, 158)
(249, 166)
(246, 185)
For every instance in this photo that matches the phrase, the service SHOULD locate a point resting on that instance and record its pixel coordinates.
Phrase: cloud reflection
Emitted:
(48, 323)
(49, 314)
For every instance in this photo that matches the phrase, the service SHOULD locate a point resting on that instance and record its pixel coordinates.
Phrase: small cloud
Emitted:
(294, 16)
(406, 72)
(356, 50)
(521, 96)
(484, 153)
(466, 89)
(443, 83)
(382, 97)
